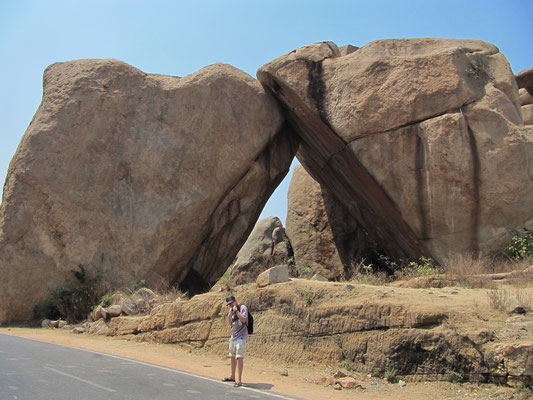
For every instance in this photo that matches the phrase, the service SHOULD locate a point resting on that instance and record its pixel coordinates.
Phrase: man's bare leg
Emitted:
(233, 365)
(240, 365)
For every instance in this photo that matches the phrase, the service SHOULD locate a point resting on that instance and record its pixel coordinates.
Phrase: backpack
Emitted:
(250, 324)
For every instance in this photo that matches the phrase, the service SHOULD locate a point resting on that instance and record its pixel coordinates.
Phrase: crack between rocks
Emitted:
(476, 183)
(454, 110)
(224, 196)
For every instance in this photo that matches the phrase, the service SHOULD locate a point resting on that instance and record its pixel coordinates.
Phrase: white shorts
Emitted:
(236, 348)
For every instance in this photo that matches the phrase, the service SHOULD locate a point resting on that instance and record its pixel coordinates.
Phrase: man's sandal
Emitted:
(237, 384)
(228, 379)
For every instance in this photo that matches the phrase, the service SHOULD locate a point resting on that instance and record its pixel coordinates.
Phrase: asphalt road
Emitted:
(36, 370)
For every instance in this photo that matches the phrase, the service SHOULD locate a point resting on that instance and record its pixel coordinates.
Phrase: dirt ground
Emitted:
(299, 382)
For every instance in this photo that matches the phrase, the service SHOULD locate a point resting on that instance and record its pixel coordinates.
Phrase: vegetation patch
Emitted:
(72, 303)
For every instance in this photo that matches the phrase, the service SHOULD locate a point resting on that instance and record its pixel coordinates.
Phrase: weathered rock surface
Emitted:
(136, 176)
(423, 334)
(421, 140)
(527, 114)
(266, 247)
(524, 79)
(325, 238)
(525, 97)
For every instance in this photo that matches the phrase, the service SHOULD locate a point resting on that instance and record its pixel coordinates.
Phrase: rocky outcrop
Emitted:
(524, 80)
(421, 140)
(267, 246)
(325, 238)
(440, 332)
(137, 176)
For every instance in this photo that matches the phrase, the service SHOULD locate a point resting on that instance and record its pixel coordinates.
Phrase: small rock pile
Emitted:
(340, 380)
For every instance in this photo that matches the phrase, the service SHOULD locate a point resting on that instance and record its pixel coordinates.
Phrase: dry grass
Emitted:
(499, 299)
(452, 321)
(503, 299)
(469, 271)
(141, 299)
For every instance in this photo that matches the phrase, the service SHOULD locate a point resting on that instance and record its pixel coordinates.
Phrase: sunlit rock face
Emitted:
(422, 140)
(137, 176)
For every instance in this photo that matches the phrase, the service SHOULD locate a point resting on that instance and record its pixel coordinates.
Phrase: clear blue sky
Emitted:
(180, 37)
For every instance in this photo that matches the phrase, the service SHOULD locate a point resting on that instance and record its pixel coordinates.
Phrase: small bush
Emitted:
(73, 303)
(297, 270)
(348, 364)
(478, 71)
(415, 269)
(390, 375)
(106, 300)
(521, 246)
(365, 274)
(453, 376)
(309, 298)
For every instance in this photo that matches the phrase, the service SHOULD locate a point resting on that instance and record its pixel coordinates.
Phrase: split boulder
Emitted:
(421, 140)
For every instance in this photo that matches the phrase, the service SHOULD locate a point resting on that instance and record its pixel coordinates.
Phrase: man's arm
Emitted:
(241, 316)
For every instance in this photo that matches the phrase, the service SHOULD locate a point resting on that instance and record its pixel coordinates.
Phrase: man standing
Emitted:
(238, 320)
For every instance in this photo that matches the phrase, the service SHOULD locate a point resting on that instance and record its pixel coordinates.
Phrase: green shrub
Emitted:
(390, 375)
(423, 267)
(453, 376)
(309, 298)
(297, 270)
(521, 246)
(105, 300)
(478, 71)
(73, 303)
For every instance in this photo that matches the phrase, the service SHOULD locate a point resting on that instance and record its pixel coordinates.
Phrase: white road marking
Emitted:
(80, 379)
(131, 361)
(13, 387)
(193, 391)
(169, 384)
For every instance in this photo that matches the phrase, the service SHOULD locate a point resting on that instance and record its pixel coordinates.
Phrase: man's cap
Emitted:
(230, 299)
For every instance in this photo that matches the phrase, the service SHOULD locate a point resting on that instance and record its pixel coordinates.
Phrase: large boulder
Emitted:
(325, 238)
(137, 176)
(267, 246)
(421, 140)
(524, 79)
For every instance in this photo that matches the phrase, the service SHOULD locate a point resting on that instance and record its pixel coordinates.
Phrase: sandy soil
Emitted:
(259, 374)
